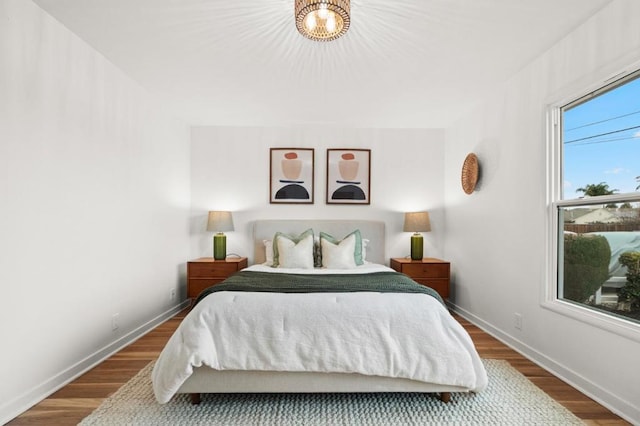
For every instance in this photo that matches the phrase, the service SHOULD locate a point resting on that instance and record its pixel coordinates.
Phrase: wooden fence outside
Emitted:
(601, 227)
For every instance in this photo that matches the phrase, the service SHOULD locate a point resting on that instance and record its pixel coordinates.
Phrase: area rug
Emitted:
(510, 399)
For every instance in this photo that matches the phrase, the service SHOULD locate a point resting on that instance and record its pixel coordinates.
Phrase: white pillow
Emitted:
(317, 255)
(295, 255)
(268, 252)
(338, 256)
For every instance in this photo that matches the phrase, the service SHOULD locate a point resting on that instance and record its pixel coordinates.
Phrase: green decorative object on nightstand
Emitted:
(417, 245)
(219, 246)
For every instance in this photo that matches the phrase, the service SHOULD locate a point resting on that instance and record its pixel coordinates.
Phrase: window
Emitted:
(596, 203)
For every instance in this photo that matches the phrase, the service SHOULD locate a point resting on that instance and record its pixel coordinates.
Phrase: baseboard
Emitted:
(36, 394)
(617, 405)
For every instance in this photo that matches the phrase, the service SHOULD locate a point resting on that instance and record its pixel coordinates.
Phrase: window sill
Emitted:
(620, 326)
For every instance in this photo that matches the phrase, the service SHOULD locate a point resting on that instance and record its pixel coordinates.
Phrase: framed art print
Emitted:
(291, 175)
(348, 176)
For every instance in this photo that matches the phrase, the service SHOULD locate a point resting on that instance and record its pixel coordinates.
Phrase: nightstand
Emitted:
(205, 272)
(430, 272)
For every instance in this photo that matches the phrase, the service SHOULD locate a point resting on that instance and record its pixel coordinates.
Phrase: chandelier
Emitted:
(322, 20)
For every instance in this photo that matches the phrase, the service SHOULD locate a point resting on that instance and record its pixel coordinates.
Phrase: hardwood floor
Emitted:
(79, 398)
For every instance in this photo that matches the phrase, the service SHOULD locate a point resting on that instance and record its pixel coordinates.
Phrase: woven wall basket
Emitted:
(469, 175)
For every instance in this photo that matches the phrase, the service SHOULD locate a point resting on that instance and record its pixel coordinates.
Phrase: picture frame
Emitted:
(291, 175)
(348, 176)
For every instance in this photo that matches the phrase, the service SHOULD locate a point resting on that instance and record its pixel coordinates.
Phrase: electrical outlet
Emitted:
(517, 321)
(115, 322)
(172, 294)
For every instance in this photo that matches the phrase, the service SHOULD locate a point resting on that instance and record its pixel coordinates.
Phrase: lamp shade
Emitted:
(220, 221)
(417, 222)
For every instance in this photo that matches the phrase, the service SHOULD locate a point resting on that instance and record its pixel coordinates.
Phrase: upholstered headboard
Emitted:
(369, 229)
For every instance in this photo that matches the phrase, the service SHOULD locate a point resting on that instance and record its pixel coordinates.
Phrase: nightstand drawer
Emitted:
(441, 285)
(426, 270)
(211, 269)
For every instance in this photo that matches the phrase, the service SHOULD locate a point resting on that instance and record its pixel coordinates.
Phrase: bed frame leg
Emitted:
(445, 397)
(195, 398)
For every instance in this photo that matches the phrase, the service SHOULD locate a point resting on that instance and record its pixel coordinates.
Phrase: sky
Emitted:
(602, 141)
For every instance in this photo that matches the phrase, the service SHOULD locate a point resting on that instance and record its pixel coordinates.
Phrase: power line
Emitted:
(606, 140)
(601, 134)
(602, 121)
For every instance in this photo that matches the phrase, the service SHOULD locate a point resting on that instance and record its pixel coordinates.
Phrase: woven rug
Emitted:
(510, 399)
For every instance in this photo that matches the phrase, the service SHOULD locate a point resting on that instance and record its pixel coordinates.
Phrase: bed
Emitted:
(296, 337)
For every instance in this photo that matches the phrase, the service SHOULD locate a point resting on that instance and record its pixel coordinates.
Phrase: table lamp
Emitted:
(219, 222)
(416, 222)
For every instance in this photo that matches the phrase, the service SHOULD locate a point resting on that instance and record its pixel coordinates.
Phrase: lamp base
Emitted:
(219, 246)
(416, 246)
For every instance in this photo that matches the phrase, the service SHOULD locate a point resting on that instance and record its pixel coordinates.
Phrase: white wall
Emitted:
(230, 171)
(496, 238)
(94, 206)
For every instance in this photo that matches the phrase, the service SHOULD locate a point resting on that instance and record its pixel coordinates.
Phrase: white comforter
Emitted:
(384, 334)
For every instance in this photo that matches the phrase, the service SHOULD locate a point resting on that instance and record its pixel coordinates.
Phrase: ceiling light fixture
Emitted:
(322, 20)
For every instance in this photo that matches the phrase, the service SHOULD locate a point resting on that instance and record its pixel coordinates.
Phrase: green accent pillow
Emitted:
(357, 254)
(276, 255)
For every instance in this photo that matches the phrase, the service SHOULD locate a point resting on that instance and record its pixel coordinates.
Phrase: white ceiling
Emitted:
(403, 63)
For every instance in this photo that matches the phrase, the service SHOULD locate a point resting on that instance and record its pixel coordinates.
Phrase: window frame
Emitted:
(555, 202)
